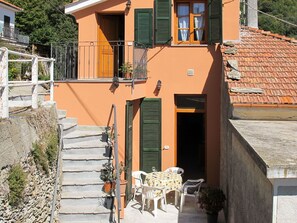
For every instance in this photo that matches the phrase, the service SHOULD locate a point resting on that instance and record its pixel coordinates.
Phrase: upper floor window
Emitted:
(190, 22)
(195, 22)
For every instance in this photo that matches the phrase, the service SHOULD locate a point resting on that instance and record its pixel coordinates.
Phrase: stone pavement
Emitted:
(191, 213)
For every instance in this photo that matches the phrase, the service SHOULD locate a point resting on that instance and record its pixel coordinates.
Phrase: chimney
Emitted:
(252, 13)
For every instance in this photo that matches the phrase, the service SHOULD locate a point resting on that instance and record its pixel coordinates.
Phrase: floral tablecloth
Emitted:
(171, 181)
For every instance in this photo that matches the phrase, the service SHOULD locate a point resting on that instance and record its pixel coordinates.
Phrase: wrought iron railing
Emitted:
(98, 60)
(113, 140)
(13, 33)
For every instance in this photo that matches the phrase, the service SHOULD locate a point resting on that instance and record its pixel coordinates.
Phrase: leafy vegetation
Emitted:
(16, 183)
(45, 156)
(52, 149)
(39, 157)
(45, 21)
(283, 9)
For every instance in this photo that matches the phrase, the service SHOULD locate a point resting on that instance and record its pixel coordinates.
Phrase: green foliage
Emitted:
(45, 21)
(40, 157)
(17, 183)
(45, 158)
(52, 148)
(283, 9)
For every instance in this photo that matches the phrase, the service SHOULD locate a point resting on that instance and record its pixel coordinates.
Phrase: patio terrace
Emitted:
(191, 212)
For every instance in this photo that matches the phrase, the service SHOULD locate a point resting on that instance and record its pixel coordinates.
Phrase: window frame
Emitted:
(191, 40)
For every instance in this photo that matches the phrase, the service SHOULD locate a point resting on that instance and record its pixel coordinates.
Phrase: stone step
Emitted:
(83, 191)
(83, 165)
(69, 120)
(86, 206)
(81, 178)
(85, 144)
(91, 218)
(92, 128)
(69, 127)
(61, 114)
(79, 136)
(85, 154)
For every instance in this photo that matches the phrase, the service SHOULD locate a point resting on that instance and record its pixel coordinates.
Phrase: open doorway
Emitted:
(191, 144)
(111, 44)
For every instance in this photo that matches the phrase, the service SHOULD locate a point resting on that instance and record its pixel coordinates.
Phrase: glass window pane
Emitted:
(183, 35)
(199, 35)
(183, 10)
(198, 22)
(198, 8)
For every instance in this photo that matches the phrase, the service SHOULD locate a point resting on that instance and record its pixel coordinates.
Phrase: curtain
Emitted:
(183, 22)
(199, 24)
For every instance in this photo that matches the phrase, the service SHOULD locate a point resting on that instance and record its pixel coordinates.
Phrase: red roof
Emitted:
(11, 5)
(267, 64)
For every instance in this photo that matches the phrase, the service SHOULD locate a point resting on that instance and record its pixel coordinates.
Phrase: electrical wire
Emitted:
(284, 21)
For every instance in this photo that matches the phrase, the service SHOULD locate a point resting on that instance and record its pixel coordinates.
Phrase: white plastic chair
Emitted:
(138, 181)
(189, 188)
(177, 170)
(155, 194)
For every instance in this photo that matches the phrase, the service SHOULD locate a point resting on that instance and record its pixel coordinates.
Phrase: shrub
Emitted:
(52, 148)
(17, 183)
(40, 157)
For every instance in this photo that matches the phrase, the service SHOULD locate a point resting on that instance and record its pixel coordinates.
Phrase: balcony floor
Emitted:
(191, 213)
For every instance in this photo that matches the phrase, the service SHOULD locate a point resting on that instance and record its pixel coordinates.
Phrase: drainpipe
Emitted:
(252, 13)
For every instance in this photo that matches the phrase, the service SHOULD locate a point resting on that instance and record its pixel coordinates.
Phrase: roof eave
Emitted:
(80, 5)
(11, 6)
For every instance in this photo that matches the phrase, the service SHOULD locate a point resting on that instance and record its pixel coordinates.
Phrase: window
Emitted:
(195, 22)
(190, 22)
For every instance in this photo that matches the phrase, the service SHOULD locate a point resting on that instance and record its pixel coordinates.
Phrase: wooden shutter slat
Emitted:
(143, 27)
(215, 21)
(162, 21)
(150, 134)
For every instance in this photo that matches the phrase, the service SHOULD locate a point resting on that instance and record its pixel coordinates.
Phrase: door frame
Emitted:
(129, 148)
(190, 110)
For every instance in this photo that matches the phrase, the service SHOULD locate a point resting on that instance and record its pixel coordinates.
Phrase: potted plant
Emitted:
(212, 201)
(126, 69)
(123, 182)
(108, 176)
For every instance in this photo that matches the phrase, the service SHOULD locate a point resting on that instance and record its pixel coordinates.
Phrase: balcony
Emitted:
(12, 34)
(99, 61)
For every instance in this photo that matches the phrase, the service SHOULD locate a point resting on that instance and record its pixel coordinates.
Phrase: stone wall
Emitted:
(17, 135)
(249, 191)
(38, 195)
(19, 132)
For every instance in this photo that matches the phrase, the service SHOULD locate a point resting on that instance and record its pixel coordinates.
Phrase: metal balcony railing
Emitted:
(12, 33)
(98, 60)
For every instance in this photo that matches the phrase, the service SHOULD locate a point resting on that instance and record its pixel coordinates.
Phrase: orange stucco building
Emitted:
(168, 114)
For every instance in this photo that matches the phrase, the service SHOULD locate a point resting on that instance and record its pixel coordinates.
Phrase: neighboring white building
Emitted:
(8, 31)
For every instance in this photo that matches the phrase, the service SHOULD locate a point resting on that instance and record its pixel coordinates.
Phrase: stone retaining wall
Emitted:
(38, 195)
(18, 133)
(17, 136)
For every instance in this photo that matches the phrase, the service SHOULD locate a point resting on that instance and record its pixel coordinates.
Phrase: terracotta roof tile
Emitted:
(266, 61)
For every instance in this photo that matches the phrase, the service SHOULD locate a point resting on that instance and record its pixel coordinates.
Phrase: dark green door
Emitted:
(150, 134)
(128, 149)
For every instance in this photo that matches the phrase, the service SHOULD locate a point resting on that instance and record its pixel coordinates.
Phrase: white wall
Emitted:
(5, 11)
(284, 200)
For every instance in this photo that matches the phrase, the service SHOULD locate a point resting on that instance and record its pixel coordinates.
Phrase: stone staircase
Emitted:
(82, 156)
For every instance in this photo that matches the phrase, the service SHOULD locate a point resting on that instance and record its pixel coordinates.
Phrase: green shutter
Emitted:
(150, 134)
(162, 21)
(143, 33)
(215, 21)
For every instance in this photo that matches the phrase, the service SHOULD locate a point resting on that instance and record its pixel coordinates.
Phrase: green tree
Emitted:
(45, 21)
(283, 9)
